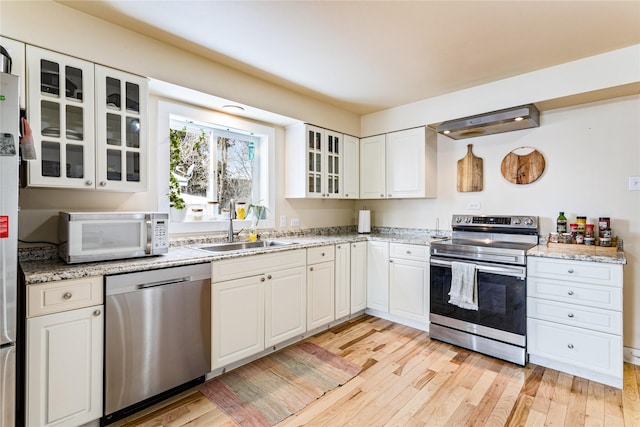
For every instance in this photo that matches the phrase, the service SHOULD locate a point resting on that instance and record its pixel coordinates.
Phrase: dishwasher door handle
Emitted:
(164, 282)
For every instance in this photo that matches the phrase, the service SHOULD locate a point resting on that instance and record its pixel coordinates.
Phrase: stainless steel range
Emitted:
(491, 249)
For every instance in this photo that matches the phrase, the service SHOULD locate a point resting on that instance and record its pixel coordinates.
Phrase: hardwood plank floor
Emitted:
(410, 380)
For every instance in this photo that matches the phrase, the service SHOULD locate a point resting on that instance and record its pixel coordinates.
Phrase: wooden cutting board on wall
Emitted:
(470, 173)
(522, 169)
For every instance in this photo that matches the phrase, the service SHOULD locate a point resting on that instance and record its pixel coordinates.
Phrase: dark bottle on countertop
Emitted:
(561, 223)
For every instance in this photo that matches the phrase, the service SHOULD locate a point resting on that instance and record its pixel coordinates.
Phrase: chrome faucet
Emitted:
(232, 216)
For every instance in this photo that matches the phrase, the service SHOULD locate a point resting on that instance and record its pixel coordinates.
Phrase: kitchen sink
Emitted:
(239, 246)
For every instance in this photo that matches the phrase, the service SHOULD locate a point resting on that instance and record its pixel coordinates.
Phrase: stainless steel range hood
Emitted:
(516, 118)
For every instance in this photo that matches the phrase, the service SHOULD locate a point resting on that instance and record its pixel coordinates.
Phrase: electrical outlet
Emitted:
(283, 220)
(473, 206)
(634, 183)
(295, 222)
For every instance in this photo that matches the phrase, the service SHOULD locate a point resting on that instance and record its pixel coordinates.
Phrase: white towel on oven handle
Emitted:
(464, 286)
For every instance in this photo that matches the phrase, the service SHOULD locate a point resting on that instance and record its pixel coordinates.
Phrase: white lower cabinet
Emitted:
(257, 302)
(64, 361)
(574, 318)
(320, 286)
(358, 276)
(409, 281)
(378, 276)
(343, 280)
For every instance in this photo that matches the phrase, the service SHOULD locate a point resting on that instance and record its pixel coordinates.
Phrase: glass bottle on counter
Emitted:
(561, 223)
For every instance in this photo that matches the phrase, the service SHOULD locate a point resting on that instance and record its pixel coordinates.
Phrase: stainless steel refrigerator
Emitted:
(9, 155)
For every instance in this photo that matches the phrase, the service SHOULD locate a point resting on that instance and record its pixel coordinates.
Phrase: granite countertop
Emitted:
(38, 271)
(578, 253)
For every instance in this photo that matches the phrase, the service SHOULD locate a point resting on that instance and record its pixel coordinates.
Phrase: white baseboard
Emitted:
(632, 355)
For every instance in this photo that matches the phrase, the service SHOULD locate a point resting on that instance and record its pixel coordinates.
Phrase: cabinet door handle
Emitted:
(269, 277)
(570, 346)
(97, 313)
(382, 195)
(103, 184)
(570, 314)
(310, 268)
(322, 253)
(262, 279)
(570, 293)
(67, 295)
(88, 182)
(390, 260)
(346, 195)
(409, 252)
(570, 271)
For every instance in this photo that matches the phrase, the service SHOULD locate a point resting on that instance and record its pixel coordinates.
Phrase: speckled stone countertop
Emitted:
(42, 265)
(577, 253)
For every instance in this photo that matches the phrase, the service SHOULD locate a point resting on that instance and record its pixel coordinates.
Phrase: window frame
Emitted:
(168, 109)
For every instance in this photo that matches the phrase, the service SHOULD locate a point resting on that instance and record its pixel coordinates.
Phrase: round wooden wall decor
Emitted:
(523, 168)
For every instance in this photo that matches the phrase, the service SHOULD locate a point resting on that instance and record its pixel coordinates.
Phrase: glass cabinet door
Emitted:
(315, 163)
(334, 163)
(121, 127)
(60, 113)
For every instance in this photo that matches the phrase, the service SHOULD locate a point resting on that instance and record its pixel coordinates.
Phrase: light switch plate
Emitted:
(283, 220)
(295, 222)
(634, 183)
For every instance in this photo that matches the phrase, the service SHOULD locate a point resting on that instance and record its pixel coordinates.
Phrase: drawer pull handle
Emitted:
(322, 253)
(570, 292)
(570, 314)
(409, 252)
(570, 270)
(310, 268)
(97, 313)
(570, 346)
(67, 295)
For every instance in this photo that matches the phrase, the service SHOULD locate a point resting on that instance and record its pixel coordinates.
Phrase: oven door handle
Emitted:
(505, 270)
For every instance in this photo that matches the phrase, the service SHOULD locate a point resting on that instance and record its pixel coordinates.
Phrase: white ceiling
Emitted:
(366, 56)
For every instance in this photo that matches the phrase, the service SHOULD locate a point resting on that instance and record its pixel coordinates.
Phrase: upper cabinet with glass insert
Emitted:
(85, 139)
(60, 107)
(121, 127)
(315, 158)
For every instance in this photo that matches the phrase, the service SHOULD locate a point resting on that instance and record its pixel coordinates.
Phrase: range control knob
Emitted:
(516, 221)
(467, 220)
(528, 221)
(458, 220)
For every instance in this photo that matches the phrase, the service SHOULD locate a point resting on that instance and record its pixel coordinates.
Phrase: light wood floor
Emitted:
(411, 380)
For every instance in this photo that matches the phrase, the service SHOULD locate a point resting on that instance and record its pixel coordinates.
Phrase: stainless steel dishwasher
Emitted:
(157, 336)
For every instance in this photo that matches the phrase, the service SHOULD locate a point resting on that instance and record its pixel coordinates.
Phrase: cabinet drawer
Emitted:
(596, 319)
(252, 265)
(55, 297)
(409, 252)
(578, 347)
(320, 254)
(578, 271)
(606, 297)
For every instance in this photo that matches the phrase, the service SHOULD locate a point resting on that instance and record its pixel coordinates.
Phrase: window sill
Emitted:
(199, 226)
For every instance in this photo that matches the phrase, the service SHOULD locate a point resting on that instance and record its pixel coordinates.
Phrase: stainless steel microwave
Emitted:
(100, 236)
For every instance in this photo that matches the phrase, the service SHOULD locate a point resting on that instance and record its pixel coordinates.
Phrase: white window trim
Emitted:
(165, 110)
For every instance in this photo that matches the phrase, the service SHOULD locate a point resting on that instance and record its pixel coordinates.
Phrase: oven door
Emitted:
(501, 301)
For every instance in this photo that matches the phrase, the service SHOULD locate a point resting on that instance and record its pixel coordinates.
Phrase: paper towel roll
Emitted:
(364, 221)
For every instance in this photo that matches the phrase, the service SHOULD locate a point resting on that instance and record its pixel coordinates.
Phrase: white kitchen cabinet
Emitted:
(372, 167)
(409, 281)
(60, 106)
(358, 276)
(257, 302)
(320, 286)
(343, 280)
(285, 305)
(574, 318)
(88, 123)
(16, 51)
(351, 167)
(378, 276)
(314, 162)
(237, 319)
(64, 361)
(399, 165)
(121, 141)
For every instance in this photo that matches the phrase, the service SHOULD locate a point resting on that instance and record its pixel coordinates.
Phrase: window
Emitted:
(221, 157)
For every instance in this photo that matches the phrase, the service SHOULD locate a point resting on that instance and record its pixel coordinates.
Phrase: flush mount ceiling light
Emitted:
(231, 107)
